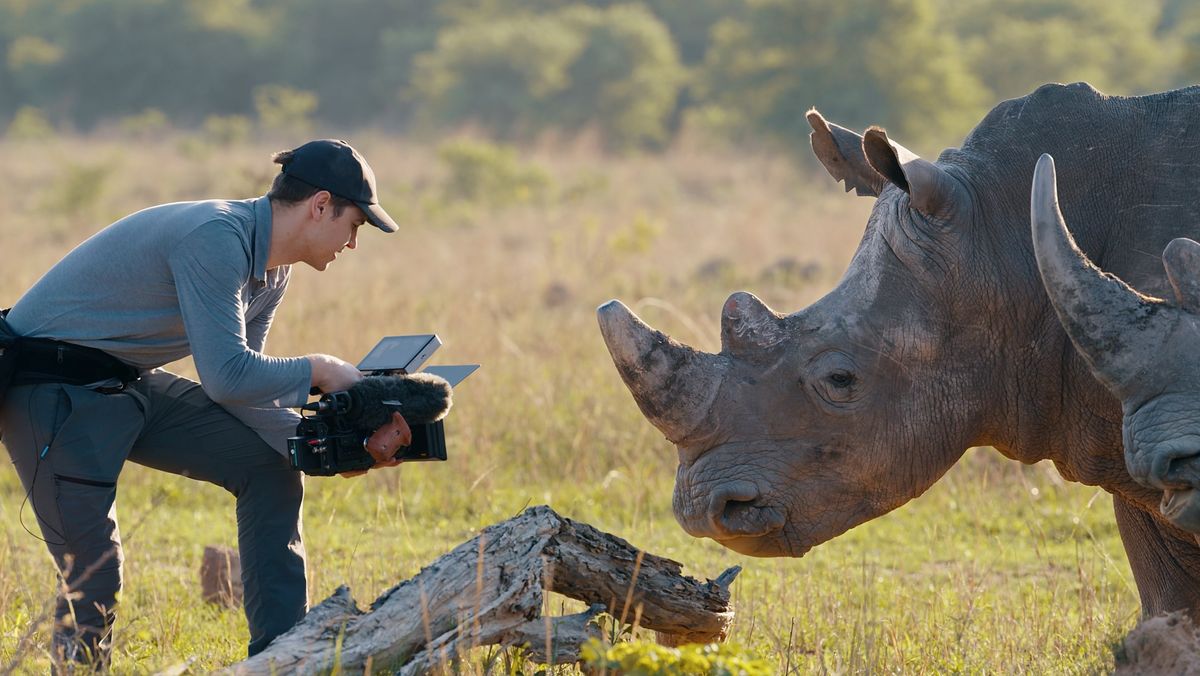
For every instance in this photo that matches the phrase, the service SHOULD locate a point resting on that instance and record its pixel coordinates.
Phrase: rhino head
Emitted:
(1143, 349)
(805, 425)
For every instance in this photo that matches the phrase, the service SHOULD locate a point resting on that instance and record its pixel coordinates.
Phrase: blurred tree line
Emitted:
(635, 72)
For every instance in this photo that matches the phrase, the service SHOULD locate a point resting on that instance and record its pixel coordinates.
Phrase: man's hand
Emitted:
(383, 444)
(330, 374)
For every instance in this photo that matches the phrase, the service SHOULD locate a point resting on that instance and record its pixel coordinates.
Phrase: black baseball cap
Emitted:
(331, 164)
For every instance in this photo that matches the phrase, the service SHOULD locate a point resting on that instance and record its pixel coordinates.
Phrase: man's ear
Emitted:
(319, 204)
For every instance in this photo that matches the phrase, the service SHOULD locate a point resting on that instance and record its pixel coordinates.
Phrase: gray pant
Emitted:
(69, 443)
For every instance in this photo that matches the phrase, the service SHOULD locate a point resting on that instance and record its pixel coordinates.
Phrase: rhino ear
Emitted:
(748, 326)
(1181, 258)
(840, 151)
(930, 189)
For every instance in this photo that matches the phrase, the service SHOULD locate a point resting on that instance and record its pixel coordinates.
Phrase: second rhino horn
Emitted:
(1181, 259)
(1113, 326)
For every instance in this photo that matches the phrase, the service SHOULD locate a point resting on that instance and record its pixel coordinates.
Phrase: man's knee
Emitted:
(272, 480)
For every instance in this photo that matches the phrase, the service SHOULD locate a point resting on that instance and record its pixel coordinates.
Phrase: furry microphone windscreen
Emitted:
(421, 398)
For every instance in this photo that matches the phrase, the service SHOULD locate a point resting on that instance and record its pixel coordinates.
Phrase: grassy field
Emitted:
(998, 568)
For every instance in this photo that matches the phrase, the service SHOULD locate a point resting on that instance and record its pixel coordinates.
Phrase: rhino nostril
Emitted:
(1181, 472)
(744, 518)
(737, 510)
(1182, 508)
(736, 492)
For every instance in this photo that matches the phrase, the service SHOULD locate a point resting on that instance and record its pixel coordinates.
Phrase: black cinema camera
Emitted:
(331, 437)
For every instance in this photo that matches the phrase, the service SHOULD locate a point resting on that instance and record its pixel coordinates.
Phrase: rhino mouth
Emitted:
(769, 545)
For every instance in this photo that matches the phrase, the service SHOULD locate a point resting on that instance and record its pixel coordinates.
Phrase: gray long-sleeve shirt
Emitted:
(180, 279)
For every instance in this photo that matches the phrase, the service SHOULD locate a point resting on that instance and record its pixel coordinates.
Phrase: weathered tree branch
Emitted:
(489, 591)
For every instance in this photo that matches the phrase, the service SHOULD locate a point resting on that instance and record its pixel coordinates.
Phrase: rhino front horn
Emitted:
(674, 385)
(1113, 326)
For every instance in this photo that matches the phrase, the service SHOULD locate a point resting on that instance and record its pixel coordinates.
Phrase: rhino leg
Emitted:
(1165, 561)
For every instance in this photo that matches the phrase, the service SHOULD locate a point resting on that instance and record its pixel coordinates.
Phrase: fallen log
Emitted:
(490, 590)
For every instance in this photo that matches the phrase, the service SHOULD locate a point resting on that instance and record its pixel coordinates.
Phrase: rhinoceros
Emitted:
(938, 338)
(1143, 349)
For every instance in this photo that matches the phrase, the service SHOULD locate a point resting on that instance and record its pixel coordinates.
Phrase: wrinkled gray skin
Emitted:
(939, 337)
(1143, 349)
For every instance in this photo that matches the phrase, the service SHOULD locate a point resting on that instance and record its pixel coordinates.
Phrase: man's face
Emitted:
(330, 234)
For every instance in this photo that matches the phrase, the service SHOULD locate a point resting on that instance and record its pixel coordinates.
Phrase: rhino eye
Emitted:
(834, 378)
(838, 387)
(841, 379)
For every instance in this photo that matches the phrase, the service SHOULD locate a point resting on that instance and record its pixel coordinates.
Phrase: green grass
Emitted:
(998, 568)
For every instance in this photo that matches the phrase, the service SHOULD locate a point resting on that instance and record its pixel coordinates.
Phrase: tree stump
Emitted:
(221, 576)
(490, 590)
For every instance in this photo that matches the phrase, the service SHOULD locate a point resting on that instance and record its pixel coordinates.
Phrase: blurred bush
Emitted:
(861, 62)
(29, 124)
(646, 658)
(636, 237)
(633, 72)
(1116, 45)
(284, 110)
(149, 123)
(490, 175)
(227, 130)
(616, 70)
(626, 80)
(75, 194)
(503, 75)
(91, 61)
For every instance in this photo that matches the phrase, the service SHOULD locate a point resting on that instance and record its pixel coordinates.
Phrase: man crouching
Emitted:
(190, 278)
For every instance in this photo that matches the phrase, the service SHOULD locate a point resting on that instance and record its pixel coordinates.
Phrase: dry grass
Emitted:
(998, 568)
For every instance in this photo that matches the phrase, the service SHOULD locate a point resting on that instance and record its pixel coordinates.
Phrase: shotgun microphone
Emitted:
(368, 405)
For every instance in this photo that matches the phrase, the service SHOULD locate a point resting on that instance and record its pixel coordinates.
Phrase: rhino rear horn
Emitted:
(840, 152)
(1113, 326)
(931, 190)
(674, 385)
(1181, 259)
(748, 326)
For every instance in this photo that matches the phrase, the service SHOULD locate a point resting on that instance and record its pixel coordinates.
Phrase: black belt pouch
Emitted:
(29, 361)
(8, 355)
(8, 359)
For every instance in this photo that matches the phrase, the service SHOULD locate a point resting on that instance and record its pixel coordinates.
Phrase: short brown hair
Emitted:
(288, 189)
